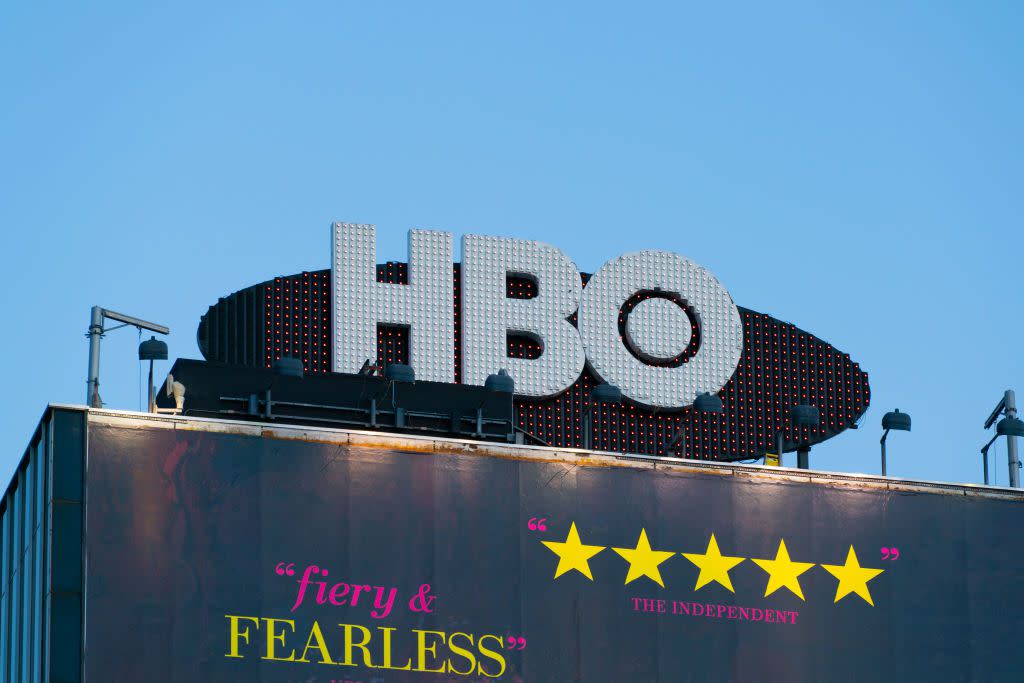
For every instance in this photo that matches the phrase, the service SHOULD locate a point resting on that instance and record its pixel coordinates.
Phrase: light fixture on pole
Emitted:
(398, 373)
(502, 387)
(808, 416)
(95, 334)
(705, 404)
(152, 349)
(1011, 427)
(603, 393)
(894, 420)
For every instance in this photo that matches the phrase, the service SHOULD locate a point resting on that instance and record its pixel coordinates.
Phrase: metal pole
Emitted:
(803, 456)
(151, 405)
(92, 382)
(984, 455)
(780, 442)
(882, 441)
(1010, 406)
(588, 438)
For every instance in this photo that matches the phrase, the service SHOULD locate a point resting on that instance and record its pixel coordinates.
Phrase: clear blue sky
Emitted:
(855, 170)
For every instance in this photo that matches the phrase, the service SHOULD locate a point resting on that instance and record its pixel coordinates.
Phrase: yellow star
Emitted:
(572, 554)
(714, 566)
(852, 577)
(643, 561)
(783, 572)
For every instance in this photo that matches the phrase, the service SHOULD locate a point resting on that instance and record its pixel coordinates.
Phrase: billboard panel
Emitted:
(782, 366)
(230, 557)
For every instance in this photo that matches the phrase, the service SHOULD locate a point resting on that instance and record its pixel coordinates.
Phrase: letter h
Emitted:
(425, 305)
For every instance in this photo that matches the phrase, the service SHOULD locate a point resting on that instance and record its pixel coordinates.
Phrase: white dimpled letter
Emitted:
(659, 332)
(488, 315)
(425, 305)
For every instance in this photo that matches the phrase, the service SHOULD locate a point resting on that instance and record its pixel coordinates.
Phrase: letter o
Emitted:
(718, 319)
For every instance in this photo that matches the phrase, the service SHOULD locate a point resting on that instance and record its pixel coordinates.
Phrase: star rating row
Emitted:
(644, 561)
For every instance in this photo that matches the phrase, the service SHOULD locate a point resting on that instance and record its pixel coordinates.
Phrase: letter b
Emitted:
(488, 315)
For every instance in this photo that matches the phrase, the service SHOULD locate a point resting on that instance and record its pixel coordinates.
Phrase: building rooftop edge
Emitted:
(442, 445)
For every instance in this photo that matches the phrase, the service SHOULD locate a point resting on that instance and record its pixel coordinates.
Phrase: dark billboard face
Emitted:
(220, 557)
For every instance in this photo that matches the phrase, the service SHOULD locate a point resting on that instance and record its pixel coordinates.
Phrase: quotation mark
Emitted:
(513, 643)
(890, 553)
(536, 524)
(283, 569)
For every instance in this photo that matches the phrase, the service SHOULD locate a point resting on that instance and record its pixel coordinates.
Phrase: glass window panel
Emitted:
(37, 454)
(5, 602)
(4, 638)
(28, 503)
(27, 632)
(26, 564)
(5, 555)
(37, 607)
(17, 522)
(39, 562)
(15, 502)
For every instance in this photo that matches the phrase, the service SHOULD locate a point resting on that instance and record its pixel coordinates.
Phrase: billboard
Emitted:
(653, 323)
(219, 556)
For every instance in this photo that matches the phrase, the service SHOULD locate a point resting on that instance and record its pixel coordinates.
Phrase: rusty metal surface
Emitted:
(374, 439)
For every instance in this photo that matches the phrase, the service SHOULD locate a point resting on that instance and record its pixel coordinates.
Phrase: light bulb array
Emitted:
(780, 367)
